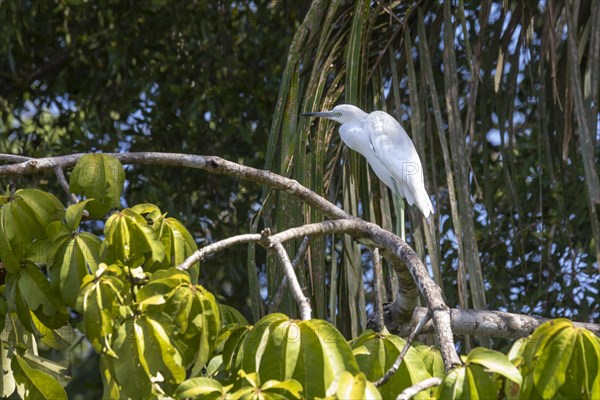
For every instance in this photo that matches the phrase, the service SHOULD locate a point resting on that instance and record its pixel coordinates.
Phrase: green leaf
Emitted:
(151, 211)
(291, 387)
(178, 243)
(452, 384)
(75, 258)
(130, 366)
(230, 315)
(100, 301)
(163, 359)
(101, 178)
(356, 387)
(196, 387)
(381, 353)
(33, 383)
(551, 368)
(23, 223)
(111, 387)
(189, 314)
(312, 352)
(432, 358)
(40, 298)
(74, 214)
(51, 368)
(59, 339)
(478, 384)
(496, 362)
(7, 379)
(128, 239)
(466, 383)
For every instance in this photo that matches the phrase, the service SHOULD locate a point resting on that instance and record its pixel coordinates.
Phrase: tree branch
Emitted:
(278, 297)
(482, 323)
(378, 293)
(411, 391)
(303, 302)
(390, 372)
(397, 248)
(215, 247)
(60, 175)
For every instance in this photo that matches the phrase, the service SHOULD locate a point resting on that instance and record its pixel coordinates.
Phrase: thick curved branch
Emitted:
(358, 228)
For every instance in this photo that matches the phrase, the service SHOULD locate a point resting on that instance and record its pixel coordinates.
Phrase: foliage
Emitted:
(188, 77)
(160, 334)
(494, 111)
(204, 77)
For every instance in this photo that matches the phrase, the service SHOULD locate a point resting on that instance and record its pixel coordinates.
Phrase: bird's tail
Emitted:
(423, 202)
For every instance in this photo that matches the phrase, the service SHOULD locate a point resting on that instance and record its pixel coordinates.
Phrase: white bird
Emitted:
(387, 148)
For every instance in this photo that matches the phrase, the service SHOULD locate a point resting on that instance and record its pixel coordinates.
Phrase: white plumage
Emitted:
(387, 148)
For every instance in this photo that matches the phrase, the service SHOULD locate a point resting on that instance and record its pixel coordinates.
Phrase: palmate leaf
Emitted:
(75, 258)
(472, 381)
(176, 239)
(162, 356)
(103, 304)
(189, 314)
(145, 353)
(22, 225)
(312, 352)
(432, 358)
(129, 240)
(375, 354)
(230, 315)
(558, 359)
(99, 177)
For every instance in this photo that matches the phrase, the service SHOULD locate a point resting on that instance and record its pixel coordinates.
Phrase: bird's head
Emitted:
(342, 114)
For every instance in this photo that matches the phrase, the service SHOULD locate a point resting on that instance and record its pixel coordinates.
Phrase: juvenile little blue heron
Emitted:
(387, 148)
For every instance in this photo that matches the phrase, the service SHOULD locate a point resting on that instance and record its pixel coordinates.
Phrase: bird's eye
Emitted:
(339, 114)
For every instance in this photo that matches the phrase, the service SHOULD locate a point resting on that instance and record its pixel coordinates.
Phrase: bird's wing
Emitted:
(355, 137)
(397, 154)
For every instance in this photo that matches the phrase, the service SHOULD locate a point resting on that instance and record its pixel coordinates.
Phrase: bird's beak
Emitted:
(322, 114)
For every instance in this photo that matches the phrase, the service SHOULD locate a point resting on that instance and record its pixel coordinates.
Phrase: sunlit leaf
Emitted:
(129, 239)
(381, 353)
(32, 383)
(495, 361)
(99, 177)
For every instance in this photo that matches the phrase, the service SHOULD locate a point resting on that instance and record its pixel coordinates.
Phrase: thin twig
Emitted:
(390, 372)
(284, 259)
(411, 391)
(278, 297)
(377, 285)
(215, 247)
(60, 175)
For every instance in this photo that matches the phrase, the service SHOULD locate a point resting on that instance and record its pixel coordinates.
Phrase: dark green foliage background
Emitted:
(114, 76)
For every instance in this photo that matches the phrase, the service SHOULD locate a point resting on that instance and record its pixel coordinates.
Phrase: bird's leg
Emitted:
(400, 222)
